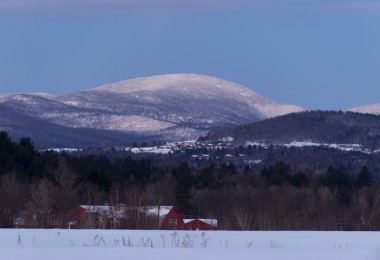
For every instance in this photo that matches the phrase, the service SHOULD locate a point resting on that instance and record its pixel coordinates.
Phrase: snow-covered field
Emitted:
(35, 244)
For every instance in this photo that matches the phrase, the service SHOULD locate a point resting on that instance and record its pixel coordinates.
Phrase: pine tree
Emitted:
(182, 189)
(364, 178)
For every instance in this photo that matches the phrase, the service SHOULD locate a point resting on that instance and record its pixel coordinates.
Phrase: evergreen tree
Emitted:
(182, 188)
(6, 149)
(364, 178)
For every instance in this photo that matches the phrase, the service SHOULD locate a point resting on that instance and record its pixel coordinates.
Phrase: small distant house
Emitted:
(201, 224)
(19, 222)
(228, 156)
(205, 156)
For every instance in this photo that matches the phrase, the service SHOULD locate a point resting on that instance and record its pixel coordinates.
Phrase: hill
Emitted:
(326, 127)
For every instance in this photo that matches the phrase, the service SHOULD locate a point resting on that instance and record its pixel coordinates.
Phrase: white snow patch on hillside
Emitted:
(189, 82)
(122, 123)
(66, 150)
(44, 95)
(4, 97)
(342, 147)
(369, 109)
(154, 150)
(278, 109)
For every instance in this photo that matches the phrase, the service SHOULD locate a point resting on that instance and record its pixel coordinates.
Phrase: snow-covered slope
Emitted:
(198, 87)
(369, 109)
(172, 107)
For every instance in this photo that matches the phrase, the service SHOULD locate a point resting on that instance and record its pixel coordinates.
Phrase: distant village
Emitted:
(224, 150)
(197, 151)
(228, 144)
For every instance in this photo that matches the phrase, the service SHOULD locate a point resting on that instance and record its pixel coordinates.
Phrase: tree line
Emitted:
(36, 185)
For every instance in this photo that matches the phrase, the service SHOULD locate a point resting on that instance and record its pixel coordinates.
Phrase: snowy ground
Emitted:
(33, 244)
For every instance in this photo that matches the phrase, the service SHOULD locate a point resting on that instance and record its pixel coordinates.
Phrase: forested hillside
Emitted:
(279, 196)
(312, 126)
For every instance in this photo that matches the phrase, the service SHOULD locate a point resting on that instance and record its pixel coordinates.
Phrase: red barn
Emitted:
(171, 219)
(167, 217)
(75, 216)
(201, 224)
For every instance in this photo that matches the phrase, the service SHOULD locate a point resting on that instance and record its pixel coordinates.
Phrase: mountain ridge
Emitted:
(164, 107)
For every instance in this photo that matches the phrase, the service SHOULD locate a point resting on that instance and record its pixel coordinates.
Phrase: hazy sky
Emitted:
(319, 54)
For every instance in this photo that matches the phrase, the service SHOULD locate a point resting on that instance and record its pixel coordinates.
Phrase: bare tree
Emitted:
(40, 205)
(65, 192)
(93, 196)
(326, 204)
(244, 217)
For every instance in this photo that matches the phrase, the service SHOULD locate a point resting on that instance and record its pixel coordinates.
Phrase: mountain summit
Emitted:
(165, 107)
(197, 88)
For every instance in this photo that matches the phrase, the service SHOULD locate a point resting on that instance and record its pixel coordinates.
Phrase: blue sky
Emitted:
(319, 54)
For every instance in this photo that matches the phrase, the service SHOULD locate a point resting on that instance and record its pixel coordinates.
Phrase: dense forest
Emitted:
(278, 196)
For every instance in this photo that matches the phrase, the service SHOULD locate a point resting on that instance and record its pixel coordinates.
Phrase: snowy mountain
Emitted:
(369, 109)
(165, 107)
